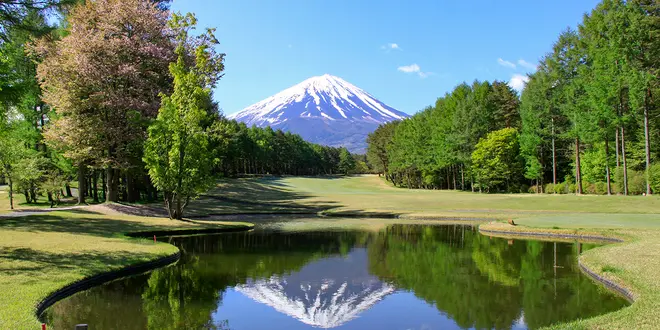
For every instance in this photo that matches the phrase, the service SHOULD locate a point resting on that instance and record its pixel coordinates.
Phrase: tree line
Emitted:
(118, 96)
(586, 121)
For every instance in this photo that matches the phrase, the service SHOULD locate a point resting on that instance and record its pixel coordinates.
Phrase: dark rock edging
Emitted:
(99, 279)
(191, 231)
(130, 270)
(607, 283)
(627, 294)
(551, 235)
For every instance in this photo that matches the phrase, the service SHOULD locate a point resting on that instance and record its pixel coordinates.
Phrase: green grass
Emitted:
(40, 254)
(371, 195)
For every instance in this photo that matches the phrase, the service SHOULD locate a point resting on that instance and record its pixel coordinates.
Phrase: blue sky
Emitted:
(405, 53)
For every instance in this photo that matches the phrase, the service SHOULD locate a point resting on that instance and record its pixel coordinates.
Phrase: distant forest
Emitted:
(586, 122)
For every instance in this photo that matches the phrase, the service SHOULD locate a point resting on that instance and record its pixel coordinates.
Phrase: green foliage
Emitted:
(177, 152)
(654, 175)
(346, 161)
(496, 159)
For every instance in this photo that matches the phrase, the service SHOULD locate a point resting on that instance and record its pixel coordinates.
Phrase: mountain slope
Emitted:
(324, 109)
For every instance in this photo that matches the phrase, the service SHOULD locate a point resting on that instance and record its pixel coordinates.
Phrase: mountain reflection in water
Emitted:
(403, 277)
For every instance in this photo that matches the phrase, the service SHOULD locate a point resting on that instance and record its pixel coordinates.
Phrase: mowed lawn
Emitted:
(371, 195)
(42, 253)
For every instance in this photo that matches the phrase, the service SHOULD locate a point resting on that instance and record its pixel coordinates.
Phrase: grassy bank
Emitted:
(42, 253)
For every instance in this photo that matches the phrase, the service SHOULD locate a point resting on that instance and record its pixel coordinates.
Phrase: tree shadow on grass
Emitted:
(88, 263)
(264, 195)
(94, 226)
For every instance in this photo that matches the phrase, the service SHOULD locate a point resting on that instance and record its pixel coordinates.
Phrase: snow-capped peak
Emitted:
(327, 97)
(324, 109)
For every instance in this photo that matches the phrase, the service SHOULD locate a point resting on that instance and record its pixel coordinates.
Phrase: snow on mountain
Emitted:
(326, 293)
(324, 109)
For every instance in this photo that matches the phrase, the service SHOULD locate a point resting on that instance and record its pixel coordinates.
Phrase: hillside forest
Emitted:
(587, 121)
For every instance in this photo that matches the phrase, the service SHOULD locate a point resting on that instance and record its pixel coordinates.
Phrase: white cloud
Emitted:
(518, 82)
(391, 46)
(506, 63)
(526, 64)
(414, 68)
(409, 68)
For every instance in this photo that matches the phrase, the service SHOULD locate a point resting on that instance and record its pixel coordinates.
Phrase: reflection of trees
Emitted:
(116, 305)
(486, 283)
(477, 281)
(182, 297)
(431, 262)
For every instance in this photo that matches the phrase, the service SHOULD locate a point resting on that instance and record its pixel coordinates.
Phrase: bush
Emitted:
(533, 189)
(636, 182)
(590, 188)
(654, 175)
(549, 188)
(601, 188)
(572, 188)
(560, 188)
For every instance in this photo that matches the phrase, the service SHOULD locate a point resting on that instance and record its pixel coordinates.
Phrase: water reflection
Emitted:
(407, 276)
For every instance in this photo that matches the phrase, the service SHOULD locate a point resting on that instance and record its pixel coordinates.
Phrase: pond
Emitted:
(402, 277)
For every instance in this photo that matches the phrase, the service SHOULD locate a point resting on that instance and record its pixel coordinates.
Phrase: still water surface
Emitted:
(403, 277)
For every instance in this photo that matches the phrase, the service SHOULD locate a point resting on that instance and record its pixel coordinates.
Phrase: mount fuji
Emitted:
(325, 110)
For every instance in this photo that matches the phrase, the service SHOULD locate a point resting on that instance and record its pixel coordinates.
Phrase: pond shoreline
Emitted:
(131, 269)
(536, 233)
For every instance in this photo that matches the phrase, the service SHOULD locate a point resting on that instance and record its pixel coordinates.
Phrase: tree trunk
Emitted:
(607, 166)
(462, 178)
(95, 190)
(130, 188)
(647, 141)
(453, 172)
(616, 146)
(81, 184)
(554, 155)
(11, 192)
(103, 182)
(448, 181)
(111, 185)
(68, 190)
(124, 191)
(578, 170)
(623, 157)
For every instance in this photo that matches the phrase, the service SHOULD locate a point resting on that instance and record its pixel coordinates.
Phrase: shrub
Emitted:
(560, 188)
(572, 188)
(636, 182)
(549, 188)
(601, 188)
(590, 188)
(533, 189)
(654, 175)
